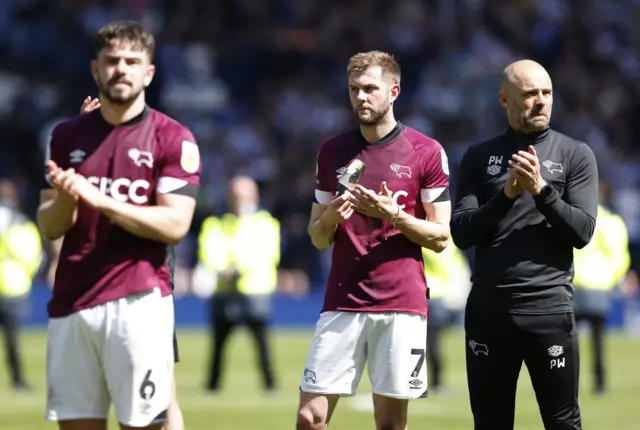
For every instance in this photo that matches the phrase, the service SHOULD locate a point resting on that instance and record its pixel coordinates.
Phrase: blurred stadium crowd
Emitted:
(262, 83)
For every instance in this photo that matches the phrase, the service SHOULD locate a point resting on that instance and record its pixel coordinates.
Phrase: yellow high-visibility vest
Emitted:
(604, 262)
(441, 269)
(248, 244)
(20, 257)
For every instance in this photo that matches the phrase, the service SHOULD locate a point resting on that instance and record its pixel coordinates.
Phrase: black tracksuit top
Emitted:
(524, 246)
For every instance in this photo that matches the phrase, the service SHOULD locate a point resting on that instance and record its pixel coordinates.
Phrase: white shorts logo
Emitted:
(309, 376)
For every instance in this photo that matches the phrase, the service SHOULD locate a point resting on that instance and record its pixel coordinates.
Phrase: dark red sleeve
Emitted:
(434, 164)
(54, 150)
(180, 164)
(323, 194)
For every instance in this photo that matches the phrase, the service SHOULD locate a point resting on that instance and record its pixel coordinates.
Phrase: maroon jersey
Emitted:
(374, 267)
(100, 261)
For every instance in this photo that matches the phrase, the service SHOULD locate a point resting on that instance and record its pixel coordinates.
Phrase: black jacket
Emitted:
(524, 246)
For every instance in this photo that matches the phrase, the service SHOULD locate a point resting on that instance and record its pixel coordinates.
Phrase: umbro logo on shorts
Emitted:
(416, 383)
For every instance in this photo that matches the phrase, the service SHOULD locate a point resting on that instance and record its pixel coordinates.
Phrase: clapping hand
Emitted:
(367, 202)
(339, 209)
(525, 167)
(75, 186)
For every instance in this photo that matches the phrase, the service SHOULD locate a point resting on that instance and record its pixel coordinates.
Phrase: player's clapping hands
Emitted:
(339, 210)
(76, 186)
(367, 202)
(512, 188)
(525, 167)
(62, 180)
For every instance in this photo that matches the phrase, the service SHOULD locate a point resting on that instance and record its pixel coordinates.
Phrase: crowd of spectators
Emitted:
(262, 83)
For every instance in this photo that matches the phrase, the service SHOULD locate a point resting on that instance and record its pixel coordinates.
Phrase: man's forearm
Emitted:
(471, 226)
(160, 223)
(322, 233)
(55, 217)
(425, 233)
(571, 222)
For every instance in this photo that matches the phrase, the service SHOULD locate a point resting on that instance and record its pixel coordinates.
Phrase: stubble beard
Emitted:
(375, 117)
(529, 123)
(107, 92)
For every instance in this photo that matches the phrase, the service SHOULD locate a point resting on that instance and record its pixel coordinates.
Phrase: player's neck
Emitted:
(374, 133)
(117, 114)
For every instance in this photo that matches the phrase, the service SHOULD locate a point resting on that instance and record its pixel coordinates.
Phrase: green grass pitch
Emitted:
(242, 405)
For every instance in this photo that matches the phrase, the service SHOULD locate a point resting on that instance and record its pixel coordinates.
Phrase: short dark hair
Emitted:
(124, 31)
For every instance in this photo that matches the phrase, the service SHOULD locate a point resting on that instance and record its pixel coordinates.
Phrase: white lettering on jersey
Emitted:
(395, 196)
(494, 167)
(122, 189)
(495, 159)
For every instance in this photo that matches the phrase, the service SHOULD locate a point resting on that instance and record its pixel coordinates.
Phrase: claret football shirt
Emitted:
(99, 261)
(374, 266)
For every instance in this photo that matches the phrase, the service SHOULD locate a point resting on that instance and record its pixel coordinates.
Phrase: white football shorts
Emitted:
(392, 345)
(120, 352)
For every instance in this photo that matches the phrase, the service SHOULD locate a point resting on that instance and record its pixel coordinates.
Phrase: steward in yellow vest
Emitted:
(599, 268)
(243, 249)
(604, 262)
(20, 258)
(448, 277)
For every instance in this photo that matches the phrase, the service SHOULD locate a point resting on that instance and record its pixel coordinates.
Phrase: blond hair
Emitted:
(364, 60)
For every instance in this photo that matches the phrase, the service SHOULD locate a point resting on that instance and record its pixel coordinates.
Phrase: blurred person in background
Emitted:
(600, 267)
(448, 280)
(20, 257)
(242, 248)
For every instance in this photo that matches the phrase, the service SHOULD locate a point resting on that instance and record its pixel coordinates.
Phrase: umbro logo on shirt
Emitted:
(77, 156)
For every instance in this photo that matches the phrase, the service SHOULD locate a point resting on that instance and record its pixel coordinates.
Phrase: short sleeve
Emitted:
(435, 175)
(323, 194)
(180, 165)
(53, 151)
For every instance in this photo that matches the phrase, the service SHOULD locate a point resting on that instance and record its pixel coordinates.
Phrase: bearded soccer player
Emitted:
(123, 183)
(175, 420)
(375, 308)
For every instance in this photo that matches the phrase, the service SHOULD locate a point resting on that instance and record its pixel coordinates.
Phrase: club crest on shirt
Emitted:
(401, 170)
(552, 166)
(141, 157)
(190, 158)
